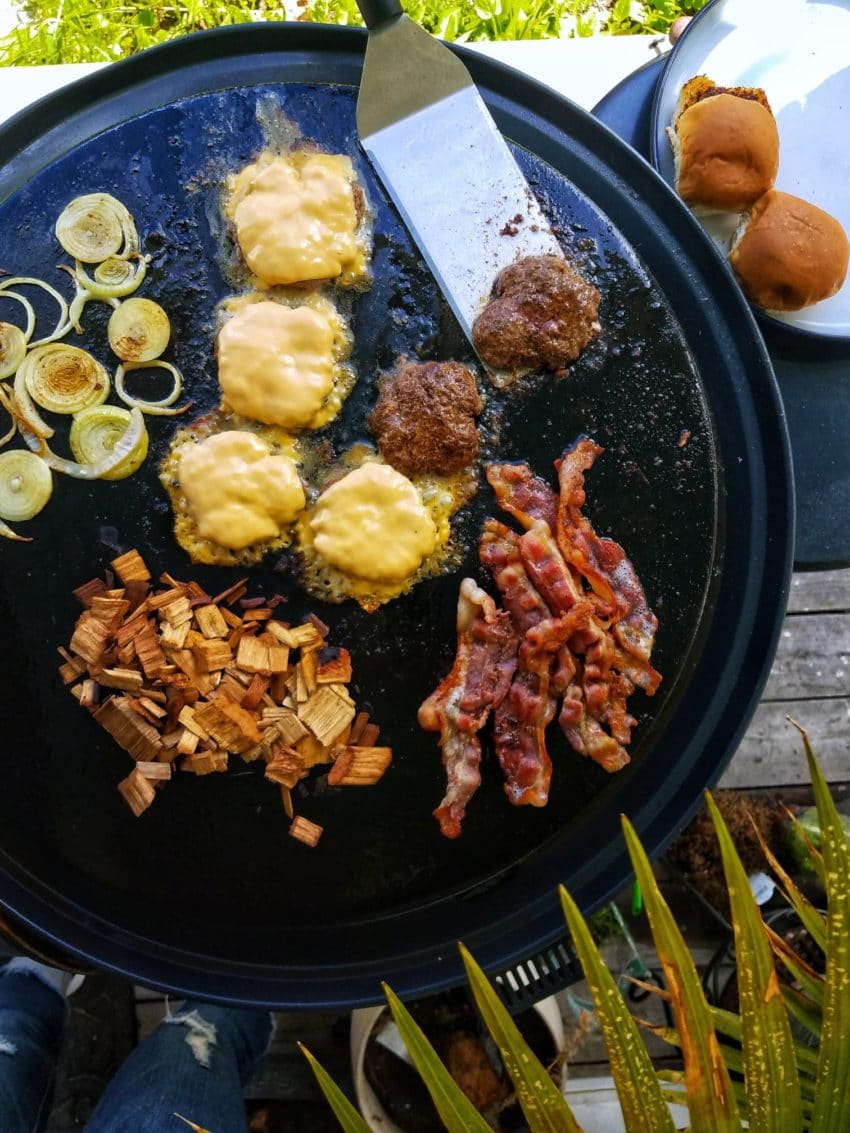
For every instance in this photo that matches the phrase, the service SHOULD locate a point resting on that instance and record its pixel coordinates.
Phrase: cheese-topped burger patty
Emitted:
(296, 219)
(725, 146)
(372, 524)
(277, 364)
(238, 492)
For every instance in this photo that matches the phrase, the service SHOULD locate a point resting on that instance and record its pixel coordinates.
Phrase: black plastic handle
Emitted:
(376, 12)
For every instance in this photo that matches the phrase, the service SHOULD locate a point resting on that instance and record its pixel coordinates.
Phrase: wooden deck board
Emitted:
(810, 681)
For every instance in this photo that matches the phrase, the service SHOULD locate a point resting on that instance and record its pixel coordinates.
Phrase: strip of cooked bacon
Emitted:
(519, 731)
(499, 549)
(602, 561)
(562, 593)
(520, 721)
(522, 494)
(587, 735)
(458, 708)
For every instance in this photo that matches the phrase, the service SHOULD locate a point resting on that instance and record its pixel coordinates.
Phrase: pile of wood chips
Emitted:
(175, 675)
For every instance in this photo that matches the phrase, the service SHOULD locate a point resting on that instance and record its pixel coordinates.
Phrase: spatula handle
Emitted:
(376, 12)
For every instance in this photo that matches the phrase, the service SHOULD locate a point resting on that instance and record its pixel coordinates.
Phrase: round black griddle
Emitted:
(811, 373)
(206, 893)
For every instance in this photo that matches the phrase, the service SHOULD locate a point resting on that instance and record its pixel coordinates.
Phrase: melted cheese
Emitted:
(276, 363)
(237, 491)
(372, 524)
(296, 219)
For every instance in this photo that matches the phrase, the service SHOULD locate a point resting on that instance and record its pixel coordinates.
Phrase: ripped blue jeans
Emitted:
(194, 1064)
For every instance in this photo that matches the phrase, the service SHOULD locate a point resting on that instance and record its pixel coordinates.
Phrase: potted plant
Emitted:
(779, 1085)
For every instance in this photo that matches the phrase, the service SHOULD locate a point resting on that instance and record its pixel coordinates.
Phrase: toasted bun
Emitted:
(788, 253)
(725, 145)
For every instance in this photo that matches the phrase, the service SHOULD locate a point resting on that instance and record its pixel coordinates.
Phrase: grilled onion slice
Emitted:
(135, 436)
(26, 484)
(113, 279)
(62, 326)
(13, 347)
(158, 408)
(138, 330)
(8, 404)
(64, 379)
(94, 434)
(96, 226)
(7, 533)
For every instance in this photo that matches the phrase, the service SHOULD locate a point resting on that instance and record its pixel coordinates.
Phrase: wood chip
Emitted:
(188, 742)
(138, 792)
(369, 735)
(360, 722)
(333, 666)
(255, 692)
(299, 637)
(360, 766)
(258, 614)
(212, 654)
(286, 796)
(70, 672)
(130, 680)
(325, 714)
(90, 637)
(174, 637)
(210, 621)
(109, 610)
(88, 590)
(164, 598)
(177, 612)
(154, 771)
(232, 594)
(190, 679)
(287, 723)
(89, 694)
(252, 656)
(131, 567)
(285, 767)
(128, 729)
(308, 665)
(149, 650)
(189, 720)
(306, 831)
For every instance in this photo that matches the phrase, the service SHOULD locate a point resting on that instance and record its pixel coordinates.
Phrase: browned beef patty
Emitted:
(424, 419)
(541, 313)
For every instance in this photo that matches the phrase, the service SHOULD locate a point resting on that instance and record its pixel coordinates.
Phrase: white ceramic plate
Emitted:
(798, 51)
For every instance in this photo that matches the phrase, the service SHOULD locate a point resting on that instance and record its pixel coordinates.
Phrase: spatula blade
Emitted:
(446, 167)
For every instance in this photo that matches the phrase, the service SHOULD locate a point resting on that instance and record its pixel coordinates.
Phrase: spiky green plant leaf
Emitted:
(543, 1104)
(729, 1026)
(344, 1111)
(770, 1072)
(832, 1104)
(810, 981)
(807, 1013)
(456, 1111)
(813, 921)
(733, 1056)
(644, 1109)
(711, 1102)
(805, 853)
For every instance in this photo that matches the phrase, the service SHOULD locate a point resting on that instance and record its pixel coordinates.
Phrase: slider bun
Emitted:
(725, 146)
(788, 253)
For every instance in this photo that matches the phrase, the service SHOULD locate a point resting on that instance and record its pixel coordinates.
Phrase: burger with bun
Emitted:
(725, 146)
(788, 254)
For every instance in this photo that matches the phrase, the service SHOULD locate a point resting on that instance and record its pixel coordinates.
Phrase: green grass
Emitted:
(90, 31)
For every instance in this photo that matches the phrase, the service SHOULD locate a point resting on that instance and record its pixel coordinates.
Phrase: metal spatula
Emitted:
(443, 162)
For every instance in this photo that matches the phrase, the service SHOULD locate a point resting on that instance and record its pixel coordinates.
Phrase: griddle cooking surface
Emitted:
(207, 883)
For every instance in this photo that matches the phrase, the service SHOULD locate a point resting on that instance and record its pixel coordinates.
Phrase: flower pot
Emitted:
(363, 1022)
